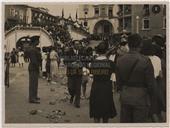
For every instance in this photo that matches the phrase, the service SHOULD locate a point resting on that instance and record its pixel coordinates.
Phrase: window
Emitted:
(146, 11)
(21, 15)
(96, 11)
(103, 11)
(85, 23)
(12, 12)
(146, 23)
(164, 22)
(16, 13)
(127, 9)
(110, 12)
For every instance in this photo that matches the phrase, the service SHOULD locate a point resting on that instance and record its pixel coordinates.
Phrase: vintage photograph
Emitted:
(85, 63)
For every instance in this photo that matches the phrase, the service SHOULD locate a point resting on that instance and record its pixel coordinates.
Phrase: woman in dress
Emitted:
(54, 65)
(101, 95)
(21, 58)
(44, 61)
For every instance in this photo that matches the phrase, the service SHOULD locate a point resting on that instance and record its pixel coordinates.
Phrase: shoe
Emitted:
(71, 100)
(34, 102)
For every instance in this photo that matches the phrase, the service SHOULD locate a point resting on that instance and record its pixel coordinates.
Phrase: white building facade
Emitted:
(99, 19)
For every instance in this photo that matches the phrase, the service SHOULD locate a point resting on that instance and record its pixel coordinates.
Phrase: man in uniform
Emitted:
(33, 68)
(135, 80)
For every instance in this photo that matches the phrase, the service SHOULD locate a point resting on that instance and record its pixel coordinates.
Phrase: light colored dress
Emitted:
(21, 57)
(44, 61)
(54, 64)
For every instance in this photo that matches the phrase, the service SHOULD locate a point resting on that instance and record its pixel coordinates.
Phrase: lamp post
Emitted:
(137, 24)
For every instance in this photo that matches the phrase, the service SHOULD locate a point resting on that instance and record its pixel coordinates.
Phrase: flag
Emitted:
(76, 15)
(62, 12)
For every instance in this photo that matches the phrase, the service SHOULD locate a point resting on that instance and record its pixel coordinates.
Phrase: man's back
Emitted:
(34, 57)
(135, 73)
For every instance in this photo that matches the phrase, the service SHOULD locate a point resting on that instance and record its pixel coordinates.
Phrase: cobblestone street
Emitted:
(54, 106)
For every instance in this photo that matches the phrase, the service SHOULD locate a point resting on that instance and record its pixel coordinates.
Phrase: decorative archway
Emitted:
(23, 42)
(19, 37)
(103, 27)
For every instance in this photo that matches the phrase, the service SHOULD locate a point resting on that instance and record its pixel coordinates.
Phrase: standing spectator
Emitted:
(148, 50)
(33, 68)
(44, 61)
(160, 51)
(54, 65)
(48, 63)
(21, 58)
(7, 62)
(101, 95)
(135, 78)
(26, 58)
(13, 57)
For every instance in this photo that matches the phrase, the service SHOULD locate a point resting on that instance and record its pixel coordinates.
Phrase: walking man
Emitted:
(74, 74)
(33, 68)
(135, 79)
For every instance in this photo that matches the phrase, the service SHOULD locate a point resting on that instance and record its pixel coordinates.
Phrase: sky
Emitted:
(56, 8)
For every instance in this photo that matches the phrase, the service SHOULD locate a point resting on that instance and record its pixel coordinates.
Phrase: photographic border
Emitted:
(89, 125)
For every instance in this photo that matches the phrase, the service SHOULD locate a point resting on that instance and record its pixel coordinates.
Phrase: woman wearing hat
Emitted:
(101, 95)
(21, 57)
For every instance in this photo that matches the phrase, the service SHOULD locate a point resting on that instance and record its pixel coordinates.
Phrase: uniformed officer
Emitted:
(135, 78)
(33, 68)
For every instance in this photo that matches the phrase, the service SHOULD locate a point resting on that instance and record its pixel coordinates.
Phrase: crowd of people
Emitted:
(135, 68)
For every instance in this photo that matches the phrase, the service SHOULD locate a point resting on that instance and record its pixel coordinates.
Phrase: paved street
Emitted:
(53, 98)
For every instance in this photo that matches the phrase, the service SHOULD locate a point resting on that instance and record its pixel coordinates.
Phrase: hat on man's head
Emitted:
(35, 39)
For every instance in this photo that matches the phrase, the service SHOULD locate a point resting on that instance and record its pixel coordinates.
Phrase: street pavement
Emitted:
(54, 106)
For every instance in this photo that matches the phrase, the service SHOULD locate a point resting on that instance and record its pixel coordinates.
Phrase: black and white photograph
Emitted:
(85, 63)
